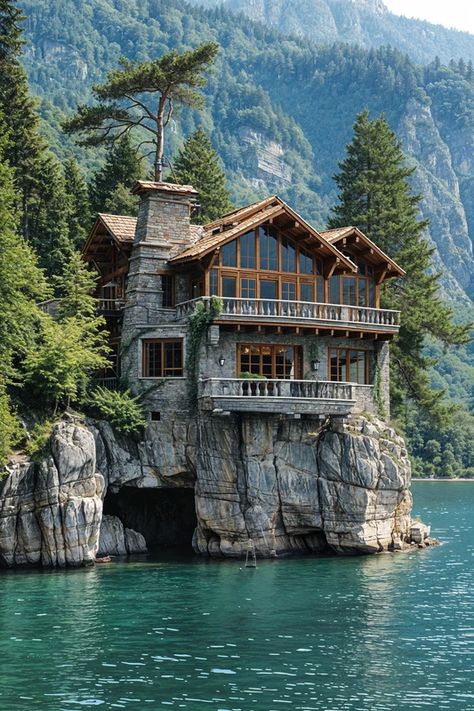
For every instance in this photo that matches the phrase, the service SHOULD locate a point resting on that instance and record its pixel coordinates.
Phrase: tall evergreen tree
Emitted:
(198, 164)
(109, 189)
(11, 40)
(21, 285)
(144, 96)
(78, 213)
(39, 189)
(375, 195)
(48, 212)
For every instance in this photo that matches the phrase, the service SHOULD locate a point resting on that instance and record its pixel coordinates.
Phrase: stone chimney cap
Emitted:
(143, 186)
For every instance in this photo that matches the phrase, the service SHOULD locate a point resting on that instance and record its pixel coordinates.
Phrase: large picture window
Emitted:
(349, 365)
(162, 358)
(355, 289)
(265, 263)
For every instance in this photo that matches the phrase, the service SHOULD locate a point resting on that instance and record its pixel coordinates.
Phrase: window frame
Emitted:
(170, 291)
(164, 371)
(348, 350)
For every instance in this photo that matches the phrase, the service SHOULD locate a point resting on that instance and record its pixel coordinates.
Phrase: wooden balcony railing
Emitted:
(291, 397)
(278, 311)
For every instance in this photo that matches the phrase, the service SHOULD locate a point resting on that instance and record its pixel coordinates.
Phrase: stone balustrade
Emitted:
(278, 311)
(276, 396)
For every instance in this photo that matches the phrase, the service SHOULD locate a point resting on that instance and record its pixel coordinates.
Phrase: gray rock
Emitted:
(50, 512)
(287, 486)
(115, 539)
(291, 487)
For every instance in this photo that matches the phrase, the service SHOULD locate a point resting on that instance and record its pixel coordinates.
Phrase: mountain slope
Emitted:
(279, 110)
(367, 23)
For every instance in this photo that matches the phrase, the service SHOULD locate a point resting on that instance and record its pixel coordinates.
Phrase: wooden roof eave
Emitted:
(224, 237)
(260, 217)
(241, 212)
(395, 269)
(319, 237)
(99, 222)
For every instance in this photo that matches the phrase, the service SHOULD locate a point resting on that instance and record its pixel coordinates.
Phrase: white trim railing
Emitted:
(254, 309)
(264, 388)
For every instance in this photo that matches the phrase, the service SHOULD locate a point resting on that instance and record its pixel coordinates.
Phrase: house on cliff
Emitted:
(296, 329)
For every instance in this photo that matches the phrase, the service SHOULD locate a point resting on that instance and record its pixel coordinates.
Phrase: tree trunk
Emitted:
(160, 139)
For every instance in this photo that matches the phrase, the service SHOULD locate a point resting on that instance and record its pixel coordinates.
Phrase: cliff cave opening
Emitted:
(165, 517)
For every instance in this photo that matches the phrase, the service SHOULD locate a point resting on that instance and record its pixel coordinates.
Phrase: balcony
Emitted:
(110, 306)
(292, 397)
(299, 313)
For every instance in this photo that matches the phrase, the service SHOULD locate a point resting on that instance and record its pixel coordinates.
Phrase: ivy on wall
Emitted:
(199, 321)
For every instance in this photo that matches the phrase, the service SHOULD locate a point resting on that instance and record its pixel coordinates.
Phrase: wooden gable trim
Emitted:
(358, 236)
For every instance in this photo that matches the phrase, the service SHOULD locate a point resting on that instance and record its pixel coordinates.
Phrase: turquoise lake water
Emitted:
(393, 631)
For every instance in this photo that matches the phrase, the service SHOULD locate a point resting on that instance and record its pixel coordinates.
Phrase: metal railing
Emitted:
(296, 310)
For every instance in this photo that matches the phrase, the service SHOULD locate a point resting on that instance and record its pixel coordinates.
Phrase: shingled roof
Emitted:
(237, 222)
(122, 227)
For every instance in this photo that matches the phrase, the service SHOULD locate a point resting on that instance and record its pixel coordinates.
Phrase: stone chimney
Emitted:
(163, 229)
(164, 215)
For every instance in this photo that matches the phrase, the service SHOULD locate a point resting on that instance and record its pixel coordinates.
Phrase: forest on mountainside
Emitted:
(367, 23)
(280, 111)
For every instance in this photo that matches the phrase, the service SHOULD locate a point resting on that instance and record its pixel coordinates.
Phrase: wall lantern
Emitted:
(221, 361)
(315, 365)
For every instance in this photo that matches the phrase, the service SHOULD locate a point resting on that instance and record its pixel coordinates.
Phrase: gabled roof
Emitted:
(122, 227)
(339, 234)
(237, 222)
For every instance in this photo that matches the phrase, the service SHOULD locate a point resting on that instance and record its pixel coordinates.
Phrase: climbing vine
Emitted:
(199, 321)
(378, 397)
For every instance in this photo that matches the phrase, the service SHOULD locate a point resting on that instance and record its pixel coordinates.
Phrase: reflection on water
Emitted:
(384, 632)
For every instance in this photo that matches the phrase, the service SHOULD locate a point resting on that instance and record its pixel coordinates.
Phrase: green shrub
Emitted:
(120, 408)
(38, 442)
(10, 428)
(245, 375)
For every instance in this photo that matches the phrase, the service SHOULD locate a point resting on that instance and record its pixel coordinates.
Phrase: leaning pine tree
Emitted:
(143, 96)
(375, 196)
(198, 164)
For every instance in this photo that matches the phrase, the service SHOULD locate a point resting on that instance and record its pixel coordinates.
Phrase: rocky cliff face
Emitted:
(289, 486)
(283, 485)
(50, 512)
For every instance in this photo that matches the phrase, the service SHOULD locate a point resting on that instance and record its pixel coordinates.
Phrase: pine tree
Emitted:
(10, 30)
(144, 96)
(36, 171)
(198, 164)
(71, 347)
(22, 284)
(78, 214)
(48, 212)
(374, 195)
(110, 187)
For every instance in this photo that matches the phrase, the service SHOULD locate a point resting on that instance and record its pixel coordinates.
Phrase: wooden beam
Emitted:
(381, 273)
(330, 267)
